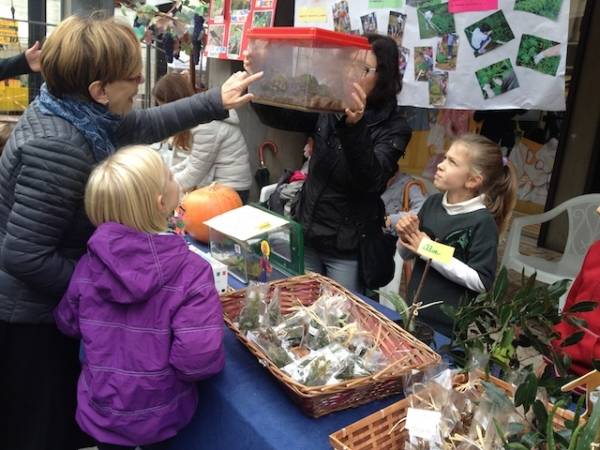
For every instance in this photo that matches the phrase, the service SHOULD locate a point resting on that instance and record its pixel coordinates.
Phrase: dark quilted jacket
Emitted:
(43, 171)
(348, 171)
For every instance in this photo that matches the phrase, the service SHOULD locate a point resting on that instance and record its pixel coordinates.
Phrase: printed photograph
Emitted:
(435, 20)
(447, 52)
(262, 19)
(403, 55)
(263, 4)
(341, 17)
(539, 54)
(216, 34)
(369, 23)
(216, 10)
(396, 24)
(496, 79)
(438, 88)
(489, 33)
(240, 7)
(236, 31)
(423, 63)
(419, 3)
(544, 8)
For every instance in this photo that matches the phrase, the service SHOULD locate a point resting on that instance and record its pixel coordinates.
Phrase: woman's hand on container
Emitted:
(247, 61)
(234, 90)
(356, 111)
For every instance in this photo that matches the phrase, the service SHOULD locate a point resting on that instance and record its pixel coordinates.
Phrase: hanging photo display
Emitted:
(229, 22)
(464, 54)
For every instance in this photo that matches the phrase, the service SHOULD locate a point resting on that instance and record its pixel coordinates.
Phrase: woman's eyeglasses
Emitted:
(366, 70)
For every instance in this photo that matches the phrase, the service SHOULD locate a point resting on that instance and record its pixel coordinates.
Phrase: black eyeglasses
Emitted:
(366, 70)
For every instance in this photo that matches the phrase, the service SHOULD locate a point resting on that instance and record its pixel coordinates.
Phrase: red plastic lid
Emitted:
(318, 35)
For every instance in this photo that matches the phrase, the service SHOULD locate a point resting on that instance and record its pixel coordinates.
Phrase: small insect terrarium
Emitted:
(306, 68)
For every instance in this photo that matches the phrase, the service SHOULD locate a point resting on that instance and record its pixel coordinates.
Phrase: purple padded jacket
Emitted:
(151, 323)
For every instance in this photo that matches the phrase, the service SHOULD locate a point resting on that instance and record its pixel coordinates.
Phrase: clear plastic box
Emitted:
(308, 69)
(243, 257)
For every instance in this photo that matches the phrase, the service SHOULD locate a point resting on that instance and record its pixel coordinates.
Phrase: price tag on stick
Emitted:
(435, 251)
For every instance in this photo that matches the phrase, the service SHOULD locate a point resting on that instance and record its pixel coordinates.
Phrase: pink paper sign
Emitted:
(458, 6)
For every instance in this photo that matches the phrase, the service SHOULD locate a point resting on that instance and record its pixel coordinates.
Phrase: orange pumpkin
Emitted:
(204, 204)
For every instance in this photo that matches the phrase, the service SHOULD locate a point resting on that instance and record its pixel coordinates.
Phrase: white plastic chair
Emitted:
(584, 229)
(266, 192)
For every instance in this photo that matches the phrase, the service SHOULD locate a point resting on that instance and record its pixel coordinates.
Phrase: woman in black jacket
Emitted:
(353, 158)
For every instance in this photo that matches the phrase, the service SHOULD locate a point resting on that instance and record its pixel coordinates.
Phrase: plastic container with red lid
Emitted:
(308, 69)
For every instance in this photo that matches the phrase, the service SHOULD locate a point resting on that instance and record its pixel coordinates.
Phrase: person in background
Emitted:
(479, 194)
(26, 62)
(585, 288)
(163, 311)
(354, 156)
(210, 152)
(481, 38)
(92, 68)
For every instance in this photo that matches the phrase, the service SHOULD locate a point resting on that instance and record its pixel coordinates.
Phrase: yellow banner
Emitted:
(9, 32)
(435, 251)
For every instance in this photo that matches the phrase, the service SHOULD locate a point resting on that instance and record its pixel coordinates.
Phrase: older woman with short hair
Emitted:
(84, 112)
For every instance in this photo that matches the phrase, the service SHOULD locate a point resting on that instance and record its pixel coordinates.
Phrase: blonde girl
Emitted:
(144, 306)
(478, 188)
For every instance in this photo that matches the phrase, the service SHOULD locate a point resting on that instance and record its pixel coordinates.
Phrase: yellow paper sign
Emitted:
(316, 14)
(435, 251)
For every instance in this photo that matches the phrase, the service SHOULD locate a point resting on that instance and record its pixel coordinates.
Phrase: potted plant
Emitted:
(496, 324)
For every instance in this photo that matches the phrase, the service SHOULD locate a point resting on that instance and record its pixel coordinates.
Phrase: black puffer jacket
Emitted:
(43, 171)
(348, 172)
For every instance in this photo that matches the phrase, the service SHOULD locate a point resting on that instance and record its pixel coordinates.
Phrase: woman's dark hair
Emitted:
(388, 83)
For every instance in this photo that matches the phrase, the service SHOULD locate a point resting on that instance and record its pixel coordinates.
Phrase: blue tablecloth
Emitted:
(244, 407)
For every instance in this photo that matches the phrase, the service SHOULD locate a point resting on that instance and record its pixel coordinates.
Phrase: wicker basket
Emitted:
(380, 430)
(317, 401)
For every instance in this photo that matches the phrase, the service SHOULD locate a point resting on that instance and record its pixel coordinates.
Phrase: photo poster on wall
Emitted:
(229, 22)
(501, 54)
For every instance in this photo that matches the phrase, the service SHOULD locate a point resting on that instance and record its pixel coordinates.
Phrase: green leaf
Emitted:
(573, 339)
(541, 414)
(596, 364)
(449, 310)
(516, 446)
(526, 392)
(585, 306)
(531, 439)
(576, 322)
(591, 432)
(501, 284)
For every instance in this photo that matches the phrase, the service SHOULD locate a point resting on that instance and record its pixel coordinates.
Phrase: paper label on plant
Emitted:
(435, 251)
(424, 424)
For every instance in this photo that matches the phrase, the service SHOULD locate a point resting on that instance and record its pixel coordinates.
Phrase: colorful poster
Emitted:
(461, 6)
(531, 34)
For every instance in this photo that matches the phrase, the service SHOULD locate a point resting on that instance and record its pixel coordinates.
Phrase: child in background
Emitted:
(144, 306)
(479, 193)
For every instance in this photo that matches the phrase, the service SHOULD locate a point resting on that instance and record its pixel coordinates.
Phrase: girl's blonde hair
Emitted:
(86, 49)
(124, 188)
(499, 178)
